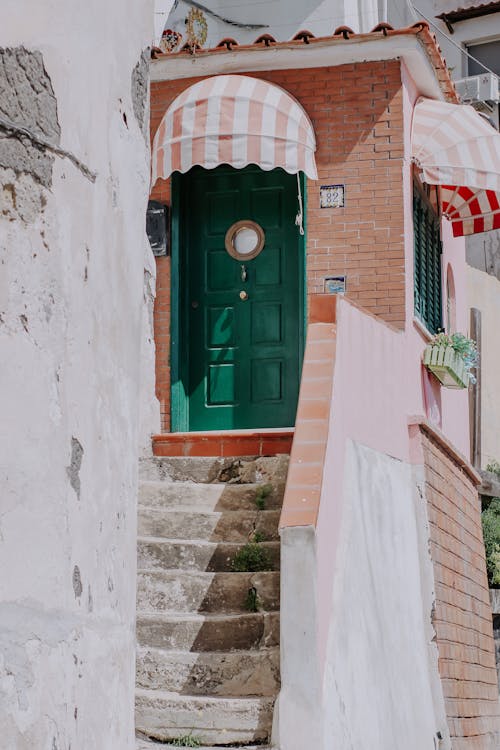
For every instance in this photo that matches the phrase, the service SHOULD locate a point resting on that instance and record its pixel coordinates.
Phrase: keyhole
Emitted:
(244, 273)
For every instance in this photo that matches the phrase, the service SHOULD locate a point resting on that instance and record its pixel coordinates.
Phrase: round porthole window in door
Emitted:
(245, 240)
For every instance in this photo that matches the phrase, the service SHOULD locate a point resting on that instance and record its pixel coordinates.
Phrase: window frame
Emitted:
(427, 276)
(469, 48)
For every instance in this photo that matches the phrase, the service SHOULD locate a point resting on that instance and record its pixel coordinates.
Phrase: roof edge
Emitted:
(464, 14)
(382, 43)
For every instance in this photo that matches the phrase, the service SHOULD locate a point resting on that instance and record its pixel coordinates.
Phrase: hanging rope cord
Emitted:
(299, 219)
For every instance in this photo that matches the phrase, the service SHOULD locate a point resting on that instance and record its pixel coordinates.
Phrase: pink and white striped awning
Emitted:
(459, 150)
(236, 120)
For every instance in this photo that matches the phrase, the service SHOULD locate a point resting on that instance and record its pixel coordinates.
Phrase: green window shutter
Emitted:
(427, 275)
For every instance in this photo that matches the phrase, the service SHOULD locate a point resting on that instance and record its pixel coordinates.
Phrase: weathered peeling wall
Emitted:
(74, 181)
(381, 687)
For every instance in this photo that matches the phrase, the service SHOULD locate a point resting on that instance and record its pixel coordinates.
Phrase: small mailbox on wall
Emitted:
(157, 228)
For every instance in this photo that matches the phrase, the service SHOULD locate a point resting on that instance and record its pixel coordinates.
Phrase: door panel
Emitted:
(242, 356)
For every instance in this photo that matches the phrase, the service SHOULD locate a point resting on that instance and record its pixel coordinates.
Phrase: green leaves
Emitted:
(187, 740)
(251, 558)
(491, 534)
(463, 346)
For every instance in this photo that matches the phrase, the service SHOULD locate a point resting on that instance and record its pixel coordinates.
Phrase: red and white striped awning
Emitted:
(236, 120)
(459, 150)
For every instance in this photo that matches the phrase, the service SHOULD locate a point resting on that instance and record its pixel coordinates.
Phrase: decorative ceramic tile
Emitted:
(170, 41)
(335, 284)
(332, 196)
(196, 27)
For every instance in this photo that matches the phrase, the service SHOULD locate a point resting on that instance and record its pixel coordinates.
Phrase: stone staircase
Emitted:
(208, 636)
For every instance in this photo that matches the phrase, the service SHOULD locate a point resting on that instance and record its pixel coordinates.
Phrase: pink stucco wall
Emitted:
(379, 383)
(454, 416)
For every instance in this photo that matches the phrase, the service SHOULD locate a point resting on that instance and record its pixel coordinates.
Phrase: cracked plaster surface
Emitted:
(71, 299)
(140, 88)
(27, 99)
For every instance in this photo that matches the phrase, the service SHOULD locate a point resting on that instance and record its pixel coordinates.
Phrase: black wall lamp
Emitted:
(157, 228)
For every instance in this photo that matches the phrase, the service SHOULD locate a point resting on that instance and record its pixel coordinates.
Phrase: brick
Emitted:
(357, 113)
(462, 614)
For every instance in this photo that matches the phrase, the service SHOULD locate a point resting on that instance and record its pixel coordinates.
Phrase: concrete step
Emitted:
(229, 526)
(206, 665)
(162, 554)
(210, 497)
(166, 716)
(230, 674)
(202, 633)
(192, 591)
(207, 470)
(145, 744)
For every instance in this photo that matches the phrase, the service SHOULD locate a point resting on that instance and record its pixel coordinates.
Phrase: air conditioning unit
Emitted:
(482, 88)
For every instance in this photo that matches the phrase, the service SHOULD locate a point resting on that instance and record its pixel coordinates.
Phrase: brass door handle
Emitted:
(243, 295)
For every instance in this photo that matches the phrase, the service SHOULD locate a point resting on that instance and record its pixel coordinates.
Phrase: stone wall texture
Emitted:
(74, 183)
(357, 114)
(462, 616)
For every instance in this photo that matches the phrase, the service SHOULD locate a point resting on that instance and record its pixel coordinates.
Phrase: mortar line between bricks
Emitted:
(460, 559)
(459, 644)
(449, 551)
(456, 606)
(467, 515)
(464, 679)
(453, 536)
(460, 575)
(454, 624)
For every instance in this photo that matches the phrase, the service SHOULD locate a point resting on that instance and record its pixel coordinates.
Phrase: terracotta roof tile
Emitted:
(266, 39)
(303, 36)
(420, 29)
(383, 27)
(228, 43)
(468, 10)
(344, 31)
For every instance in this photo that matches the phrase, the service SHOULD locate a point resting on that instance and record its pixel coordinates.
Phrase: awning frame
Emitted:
(236, 120)
(455, 148)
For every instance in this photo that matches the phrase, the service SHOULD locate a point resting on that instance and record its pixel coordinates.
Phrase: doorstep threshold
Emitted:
(231, 433)
(270, 441)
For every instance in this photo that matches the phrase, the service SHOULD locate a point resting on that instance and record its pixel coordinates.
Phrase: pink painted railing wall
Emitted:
(305, 476)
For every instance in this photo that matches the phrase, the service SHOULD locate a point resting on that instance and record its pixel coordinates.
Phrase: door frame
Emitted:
(179, 351)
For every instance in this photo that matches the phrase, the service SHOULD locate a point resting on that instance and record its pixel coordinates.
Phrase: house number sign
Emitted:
(332, 196)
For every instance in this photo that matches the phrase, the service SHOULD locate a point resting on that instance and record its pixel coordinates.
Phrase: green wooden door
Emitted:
(240, 359)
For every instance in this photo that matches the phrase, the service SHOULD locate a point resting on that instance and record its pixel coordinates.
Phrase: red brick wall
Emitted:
(357, 114)
(462, 617)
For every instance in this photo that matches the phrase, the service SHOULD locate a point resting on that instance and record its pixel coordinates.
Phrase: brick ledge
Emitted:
(224, 443)
(434, 432)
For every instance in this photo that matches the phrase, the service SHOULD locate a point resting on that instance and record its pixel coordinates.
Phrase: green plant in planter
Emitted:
(452, 357)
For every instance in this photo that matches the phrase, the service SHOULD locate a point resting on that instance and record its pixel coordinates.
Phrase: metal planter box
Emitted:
(447, 366)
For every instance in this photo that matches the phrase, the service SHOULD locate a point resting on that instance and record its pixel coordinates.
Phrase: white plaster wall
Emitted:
(149, 406)
(381, 686)
(71, 307)
(297, 713)
(484, 294)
